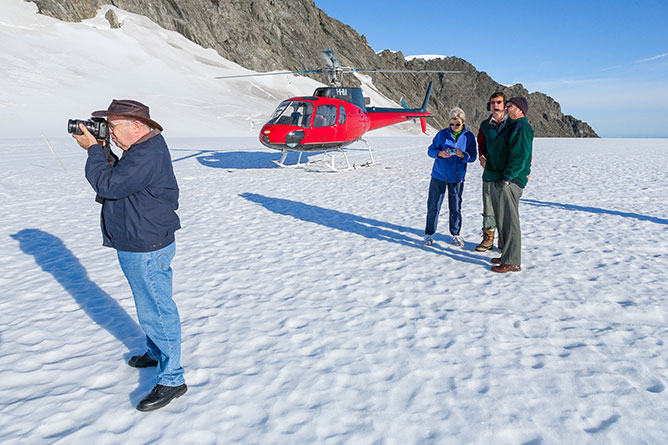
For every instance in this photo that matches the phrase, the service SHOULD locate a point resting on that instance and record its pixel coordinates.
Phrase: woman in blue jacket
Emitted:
(452, 149)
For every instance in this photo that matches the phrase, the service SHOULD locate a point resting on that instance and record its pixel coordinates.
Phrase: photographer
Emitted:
(139, 196)
(451, 149)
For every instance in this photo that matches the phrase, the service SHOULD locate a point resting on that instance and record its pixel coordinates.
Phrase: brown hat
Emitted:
(521, 103)
(128, 108)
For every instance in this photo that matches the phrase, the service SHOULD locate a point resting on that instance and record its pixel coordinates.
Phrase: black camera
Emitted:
(97, 126)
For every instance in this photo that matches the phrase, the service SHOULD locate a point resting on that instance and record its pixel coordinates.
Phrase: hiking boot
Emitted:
(161, 396)
(142, 361)
(458, 241)
(487, 241)
(496, 260)
(503, 268)
(428, 240)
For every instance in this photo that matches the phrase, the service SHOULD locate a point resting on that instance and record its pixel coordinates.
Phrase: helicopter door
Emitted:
(324, 122)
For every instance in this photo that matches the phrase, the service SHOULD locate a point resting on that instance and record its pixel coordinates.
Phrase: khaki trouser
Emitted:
(505, 201)
(488, 222)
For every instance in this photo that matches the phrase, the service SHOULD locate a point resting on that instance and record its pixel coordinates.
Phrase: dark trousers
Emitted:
(437, 191)
(506, 200)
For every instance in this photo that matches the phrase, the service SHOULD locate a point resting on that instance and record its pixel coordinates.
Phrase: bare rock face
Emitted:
(112, 19)
(266, 35)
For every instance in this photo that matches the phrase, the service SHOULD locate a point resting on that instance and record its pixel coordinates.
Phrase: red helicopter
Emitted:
(333, 117)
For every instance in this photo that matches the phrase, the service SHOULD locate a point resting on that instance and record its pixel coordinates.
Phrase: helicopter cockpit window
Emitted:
(293, 113)
(325, 115)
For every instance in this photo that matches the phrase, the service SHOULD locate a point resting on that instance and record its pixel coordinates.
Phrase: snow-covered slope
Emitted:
(52, 71)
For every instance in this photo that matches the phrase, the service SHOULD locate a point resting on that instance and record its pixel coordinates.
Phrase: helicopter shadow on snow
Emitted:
(241, 160)
(366, 227)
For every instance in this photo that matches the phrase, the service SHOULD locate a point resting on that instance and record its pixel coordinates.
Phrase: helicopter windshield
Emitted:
(292, 112)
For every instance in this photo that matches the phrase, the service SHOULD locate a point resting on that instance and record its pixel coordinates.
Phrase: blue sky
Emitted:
(605, 62)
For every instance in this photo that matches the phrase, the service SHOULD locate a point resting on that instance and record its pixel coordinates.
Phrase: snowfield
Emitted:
(311, 311)
(313, 314)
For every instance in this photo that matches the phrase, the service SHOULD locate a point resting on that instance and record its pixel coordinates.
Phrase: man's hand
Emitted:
(86, 139)
(459, 154)
(483, 161)
(443, 154)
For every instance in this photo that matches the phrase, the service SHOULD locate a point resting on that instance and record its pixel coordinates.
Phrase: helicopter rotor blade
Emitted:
(277, 73)
(333, 68)
(404, 71)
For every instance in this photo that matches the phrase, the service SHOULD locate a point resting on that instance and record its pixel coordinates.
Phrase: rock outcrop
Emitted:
(266, 35)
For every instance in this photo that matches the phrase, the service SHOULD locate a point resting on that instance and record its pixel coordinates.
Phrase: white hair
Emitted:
(458, 113)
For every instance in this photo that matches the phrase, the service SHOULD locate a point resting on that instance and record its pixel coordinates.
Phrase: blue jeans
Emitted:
(150, 277)
(437, 190)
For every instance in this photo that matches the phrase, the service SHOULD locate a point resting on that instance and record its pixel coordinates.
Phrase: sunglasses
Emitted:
(496, 101)
(457, 125)
(509, 104)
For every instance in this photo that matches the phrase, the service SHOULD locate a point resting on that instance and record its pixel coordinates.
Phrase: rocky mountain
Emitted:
(265, 35)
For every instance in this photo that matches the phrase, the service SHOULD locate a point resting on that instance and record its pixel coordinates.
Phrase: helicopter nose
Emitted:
(264, 134)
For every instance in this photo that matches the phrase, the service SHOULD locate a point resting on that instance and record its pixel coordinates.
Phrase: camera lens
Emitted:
(73, 126)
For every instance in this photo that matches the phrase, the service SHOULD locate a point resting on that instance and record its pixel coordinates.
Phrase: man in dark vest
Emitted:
(139, 197)
(488, 131)
(508, 167)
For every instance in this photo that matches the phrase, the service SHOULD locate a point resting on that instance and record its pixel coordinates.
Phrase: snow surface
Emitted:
(426, 57)
(313, 314)
(311, 311)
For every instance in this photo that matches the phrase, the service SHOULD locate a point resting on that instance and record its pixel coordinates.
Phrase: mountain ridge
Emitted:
(267, 35)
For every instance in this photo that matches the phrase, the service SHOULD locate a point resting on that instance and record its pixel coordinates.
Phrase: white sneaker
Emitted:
(458, 241)
(428, 240)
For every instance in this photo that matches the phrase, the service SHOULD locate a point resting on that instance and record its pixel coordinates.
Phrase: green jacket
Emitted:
(509, 155)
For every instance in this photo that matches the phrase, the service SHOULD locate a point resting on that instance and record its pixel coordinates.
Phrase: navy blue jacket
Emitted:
(140, 195)
(452, 169)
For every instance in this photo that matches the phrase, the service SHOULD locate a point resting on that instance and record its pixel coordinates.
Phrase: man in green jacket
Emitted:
(508, 167)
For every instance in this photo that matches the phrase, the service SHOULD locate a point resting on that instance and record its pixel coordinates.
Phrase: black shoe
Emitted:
(161, 396)
(142, 361)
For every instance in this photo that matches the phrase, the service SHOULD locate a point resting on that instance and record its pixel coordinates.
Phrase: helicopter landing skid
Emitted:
(327, 159)
(281, 162)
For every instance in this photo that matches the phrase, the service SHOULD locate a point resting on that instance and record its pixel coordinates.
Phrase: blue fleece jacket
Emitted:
(452, 169)
(140, 195)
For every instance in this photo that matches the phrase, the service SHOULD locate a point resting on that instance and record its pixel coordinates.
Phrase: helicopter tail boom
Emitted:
(382, 117)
